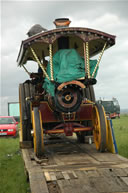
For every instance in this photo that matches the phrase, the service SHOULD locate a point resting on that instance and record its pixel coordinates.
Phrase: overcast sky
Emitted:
(108, 16)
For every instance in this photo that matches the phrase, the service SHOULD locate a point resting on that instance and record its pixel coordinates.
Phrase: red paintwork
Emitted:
(68, 128)
(61, 130)
(85, 112)
(4, 128)
(48, 115)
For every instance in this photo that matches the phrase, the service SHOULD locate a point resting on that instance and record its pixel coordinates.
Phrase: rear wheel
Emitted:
(91, 96)
(25, 92)
(92, 93)
(87, 93)
(38, 132)
(23, 113)
(27, 101)
(99, 127)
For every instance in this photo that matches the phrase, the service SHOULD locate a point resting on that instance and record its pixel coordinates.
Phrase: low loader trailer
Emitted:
(71, 167)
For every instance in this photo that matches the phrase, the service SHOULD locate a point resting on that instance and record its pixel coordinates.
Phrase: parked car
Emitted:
(8, 126)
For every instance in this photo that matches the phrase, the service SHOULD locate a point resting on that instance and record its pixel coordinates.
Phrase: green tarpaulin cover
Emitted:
(68, 65)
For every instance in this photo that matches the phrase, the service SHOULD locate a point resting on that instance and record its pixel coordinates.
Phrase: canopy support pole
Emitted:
(39, 63)
(86, 59)
(51, 62)
(26, 70)
(99, 59)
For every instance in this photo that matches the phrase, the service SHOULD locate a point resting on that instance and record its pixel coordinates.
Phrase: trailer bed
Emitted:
(69, 167)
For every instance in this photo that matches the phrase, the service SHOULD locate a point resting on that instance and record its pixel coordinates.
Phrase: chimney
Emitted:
(62, 22)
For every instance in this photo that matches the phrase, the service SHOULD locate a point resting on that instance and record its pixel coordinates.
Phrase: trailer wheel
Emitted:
(38, 132)
(99, 127)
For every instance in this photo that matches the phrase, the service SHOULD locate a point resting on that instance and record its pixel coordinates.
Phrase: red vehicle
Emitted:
(8, 126)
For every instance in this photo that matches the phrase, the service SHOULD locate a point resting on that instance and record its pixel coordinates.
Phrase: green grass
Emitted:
(12, 176)
(121, 134)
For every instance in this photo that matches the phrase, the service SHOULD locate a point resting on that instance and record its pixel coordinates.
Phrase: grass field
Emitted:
(12, 177)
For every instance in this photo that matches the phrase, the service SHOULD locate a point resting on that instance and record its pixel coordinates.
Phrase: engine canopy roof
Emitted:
(76, 35)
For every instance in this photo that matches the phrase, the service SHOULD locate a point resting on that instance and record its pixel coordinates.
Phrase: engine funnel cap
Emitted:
(62, 22)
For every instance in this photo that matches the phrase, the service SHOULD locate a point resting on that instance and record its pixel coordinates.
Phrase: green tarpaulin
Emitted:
(68, 65)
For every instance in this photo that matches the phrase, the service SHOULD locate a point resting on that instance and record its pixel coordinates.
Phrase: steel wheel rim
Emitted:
(36, 137)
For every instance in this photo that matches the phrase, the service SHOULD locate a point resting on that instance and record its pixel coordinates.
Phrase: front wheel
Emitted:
(99, 127)
(38, 132)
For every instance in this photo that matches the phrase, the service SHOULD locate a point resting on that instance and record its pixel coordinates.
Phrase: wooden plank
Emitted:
(47, 176)
(118, 192)
(79, 187)
(91, 173)
(119, 172)
(27, 160)
(82, 183)
(106, 157)
(104, 184)
(126, 170)
(59, 175)
(81, 158)
(121, 165)
(109, 181)
(37, 182)
(53, 176)
(25, 154)
(67, 187)
(65, 174)
(125, 179)
(25, 144)
(50, 176)
(72, 175)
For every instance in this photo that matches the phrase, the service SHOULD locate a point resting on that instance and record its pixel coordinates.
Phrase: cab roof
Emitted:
(77, 35)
